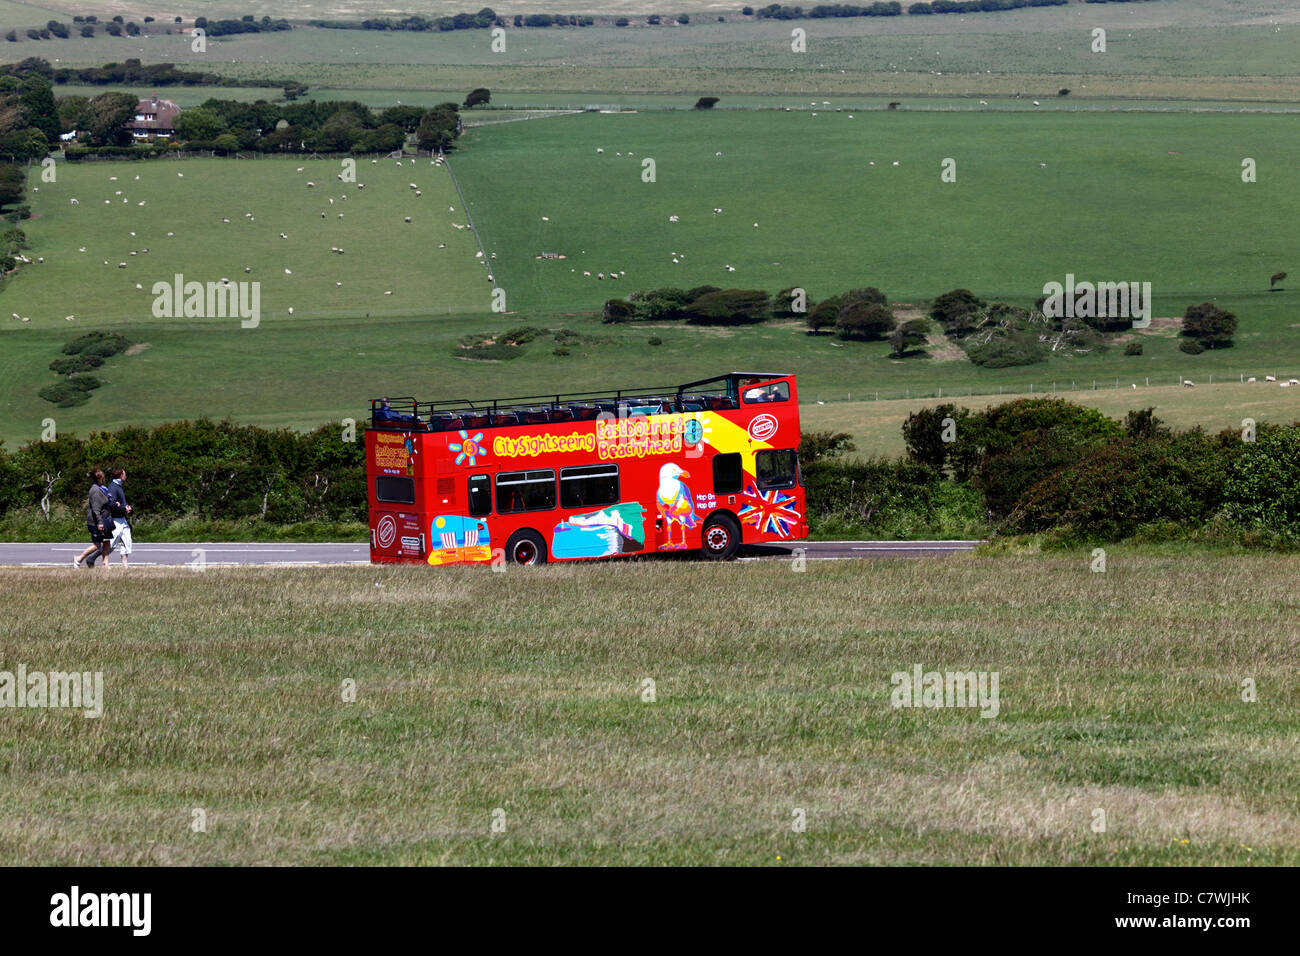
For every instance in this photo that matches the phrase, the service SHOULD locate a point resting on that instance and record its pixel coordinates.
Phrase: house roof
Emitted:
(164, 113)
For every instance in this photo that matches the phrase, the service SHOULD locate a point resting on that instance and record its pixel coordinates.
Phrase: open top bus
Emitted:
(707, 465)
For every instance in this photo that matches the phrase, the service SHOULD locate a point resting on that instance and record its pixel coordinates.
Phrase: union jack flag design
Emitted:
(771, 512)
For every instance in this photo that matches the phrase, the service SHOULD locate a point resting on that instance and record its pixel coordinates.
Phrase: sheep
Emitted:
(390, 291)
(225, 220)
(672, 218)
(291, 310)
(74, 202)
(731, 268)
(112, 179)
(247, 269)
(600, 275)
(1283, 384)
(546, 219)
(283, 236)
(311, 185)
(982, 103)
(340, 215)
(599, 150)
(1251, 379)
(587, 274)
(139, 286)
(1270, 378)
(361, 185)
(121, 265)
(300, 169)
(287, 272)
(1035, 102)
(1187, 383)
(322, 215)
(82, 249)
(338, 285)
(442, 245)
(181, 175)
(1293, 381)
(412, 185)
(418, 194)
(408, 219)
(718, 153)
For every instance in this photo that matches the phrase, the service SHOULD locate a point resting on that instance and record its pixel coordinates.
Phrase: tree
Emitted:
(201, 124)
(864, 321)
(438, 128)
(706, 102)
(87, 31)
(478, 97)
(824, 314)
(39, 109)
(107, 116)
(910, 336)
(956, 311)
(1210, 326)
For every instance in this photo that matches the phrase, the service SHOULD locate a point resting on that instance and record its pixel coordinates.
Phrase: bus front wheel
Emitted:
(526, 547)
(720, 538)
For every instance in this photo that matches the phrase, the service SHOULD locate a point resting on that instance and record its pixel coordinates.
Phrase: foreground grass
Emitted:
(521, 691)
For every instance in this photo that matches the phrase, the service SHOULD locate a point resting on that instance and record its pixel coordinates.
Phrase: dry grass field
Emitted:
(523, 692)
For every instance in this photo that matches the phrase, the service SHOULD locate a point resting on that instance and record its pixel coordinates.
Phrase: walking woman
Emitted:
(99, 519)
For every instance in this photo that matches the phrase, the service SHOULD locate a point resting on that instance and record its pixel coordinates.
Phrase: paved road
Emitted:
(289, 553)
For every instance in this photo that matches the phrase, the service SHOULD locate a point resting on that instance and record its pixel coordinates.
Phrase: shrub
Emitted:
(911, 336)
(1209, 325)
(1121, 486)
(783, 304)
(818, 445)
(654, 340)
(924, 434)
(1263, 482)
(956, 311)
(102, 343)
(1191, 347)
(864, 321)
(621, 22)
(824, 314)
(78, 363)
(729, 307)
(617, 310)
(1133, 348)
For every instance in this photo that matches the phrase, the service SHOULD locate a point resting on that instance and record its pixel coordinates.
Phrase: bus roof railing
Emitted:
(405, 411)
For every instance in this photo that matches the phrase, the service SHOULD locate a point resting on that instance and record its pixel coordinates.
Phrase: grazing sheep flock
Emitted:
(125, 254)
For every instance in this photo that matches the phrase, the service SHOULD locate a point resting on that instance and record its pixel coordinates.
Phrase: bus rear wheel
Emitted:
(720, 538)
(526, 547)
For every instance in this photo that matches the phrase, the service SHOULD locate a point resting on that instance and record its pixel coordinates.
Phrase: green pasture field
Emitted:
(1158, 198)
(224, 692)
(125, 207)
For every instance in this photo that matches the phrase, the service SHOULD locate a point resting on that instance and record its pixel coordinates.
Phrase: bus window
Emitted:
(727, 474)
(525, 491)
(395, 490)
(776, 392)
(480, 496)
(589, 486)
(776, 468)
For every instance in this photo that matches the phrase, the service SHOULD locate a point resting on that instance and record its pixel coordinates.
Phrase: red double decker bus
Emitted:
(707, 465)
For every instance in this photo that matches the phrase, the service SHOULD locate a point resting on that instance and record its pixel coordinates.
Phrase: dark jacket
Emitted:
(98, 508)
(117, 502)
